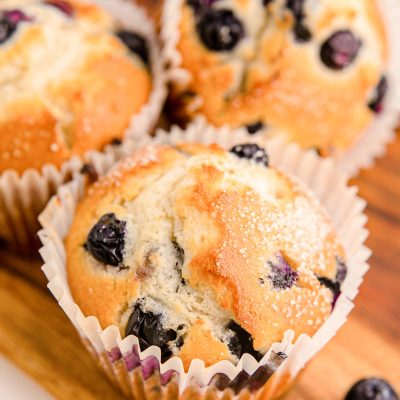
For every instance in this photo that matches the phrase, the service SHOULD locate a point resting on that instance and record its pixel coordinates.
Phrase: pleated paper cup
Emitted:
(140, 374)
(23, 197)
(373, 141)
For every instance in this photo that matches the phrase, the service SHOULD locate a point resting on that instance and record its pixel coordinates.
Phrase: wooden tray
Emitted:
(37, 336)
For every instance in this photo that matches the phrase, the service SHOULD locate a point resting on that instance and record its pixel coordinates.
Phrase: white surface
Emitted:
(16, 385)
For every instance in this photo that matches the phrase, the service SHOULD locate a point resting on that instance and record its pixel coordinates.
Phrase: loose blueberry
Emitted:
(281, 275)
(106, 240)
(372, 389)
(254, 128)
(136, 44)
(376, 103)
(219, 29)
(9, 21)
(340, 50)
(148, 328)
(252, 152)
(241, 342)
(62, 5)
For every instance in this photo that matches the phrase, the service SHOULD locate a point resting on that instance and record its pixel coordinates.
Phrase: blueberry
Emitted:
(136, 44)
(62, 5)
(371, 389)
(148, 328)
(341, 270)
(334, 285)
(116, 142)
(9, 21)
(241, 342)
(296, 6)
(219, 29)
(254, 128)
(340, 50)
(252, 152)
(281, 275)
(199, 4)
(302, 33)
(106, 240)
(376, 103)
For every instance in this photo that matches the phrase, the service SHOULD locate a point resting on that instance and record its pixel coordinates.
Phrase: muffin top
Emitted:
(206, 253)
(294, 67)
(70, 80)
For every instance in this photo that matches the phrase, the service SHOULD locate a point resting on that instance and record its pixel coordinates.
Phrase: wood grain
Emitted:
(37, 336)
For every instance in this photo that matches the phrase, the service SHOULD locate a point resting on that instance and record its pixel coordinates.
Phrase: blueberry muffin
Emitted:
(71, 79)
(205, 253)
(312, 71)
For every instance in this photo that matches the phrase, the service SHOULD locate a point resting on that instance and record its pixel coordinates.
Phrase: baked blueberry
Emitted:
(136, 44)
(148, 328)
(281, 275)
(371, 389)
(376, 103)
(64, 6)
(219, 29)
(341, 270)
(340, 50)
(9, 21)
(302, 33)
(251, 151)
(105, 241)
(254, 128)
(241, 342)
(296, 6)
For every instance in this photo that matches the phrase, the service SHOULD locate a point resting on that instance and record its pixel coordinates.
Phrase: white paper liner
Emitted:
(373, 141)
(23, 197)
(320, 175)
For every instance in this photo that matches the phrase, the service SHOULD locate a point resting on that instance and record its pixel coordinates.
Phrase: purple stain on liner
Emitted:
(114, 354)
(132, 359)
(63, 6)
(149, 365)
(167, 376)
(16, 16)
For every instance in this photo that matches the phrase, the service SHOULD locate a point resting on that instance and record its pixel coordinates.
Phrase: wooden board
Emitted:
(37, 336)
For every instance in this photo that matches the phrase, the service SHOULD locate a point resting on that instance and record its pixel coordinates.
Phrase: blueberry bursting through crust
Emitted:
(136, 44)
(340, 50)
(251, 151)
(241, 342)
(106, 241)
(219, 29)
(148, 328)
